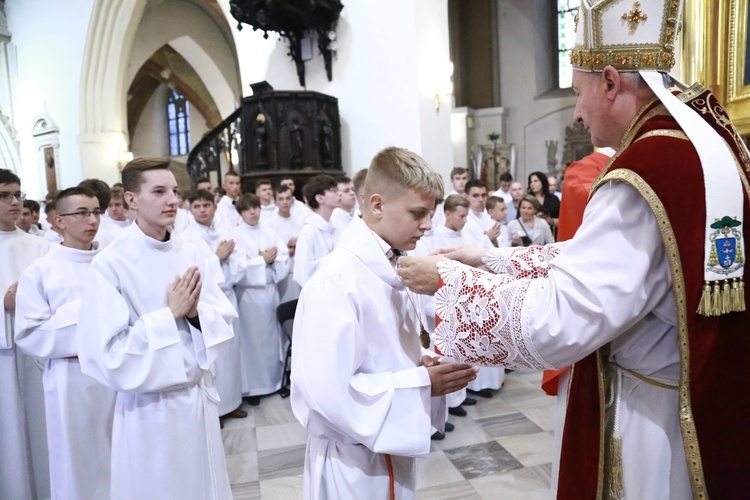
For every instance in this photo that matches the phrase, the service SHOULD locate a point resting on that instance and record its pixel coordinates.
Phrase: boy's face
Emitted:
(251, 216)
(288, 182)
(116, 209)
(24, 222)
(10, 208)
(35, 217)
(205, 186)
(203, 211)
(405, 218)
(265, 193)
(456, 220)
(477, 197)
(156, 202)
(499, 212)
(284, 202)
(505, 186)
(77, 227)
(348, 197)
(232, 185)
(331, 199)
(459, 182)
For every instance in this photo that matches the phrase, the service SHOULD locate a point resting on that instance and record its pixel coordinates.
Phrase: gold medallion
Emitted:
(424, 337)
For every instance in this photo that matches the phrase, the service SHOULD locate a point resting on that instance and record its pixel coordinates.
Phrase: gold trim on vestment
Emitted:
(675, 134)
(687, 424)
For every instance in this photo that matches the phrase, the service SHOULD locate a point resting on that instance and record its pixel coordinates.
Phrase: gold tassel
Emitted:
(715, 299)
(615, 467)
(741, 295)
(726, 297)
(735, 296)
(704, 306)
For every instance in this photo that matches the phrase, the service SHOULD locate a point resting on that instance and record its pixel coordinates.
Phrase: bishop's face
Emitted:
(593, 108)
(156, 202)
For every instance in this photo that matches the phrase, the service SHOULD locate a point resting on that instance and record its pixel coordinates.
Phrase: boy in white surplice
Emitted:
(360, 383)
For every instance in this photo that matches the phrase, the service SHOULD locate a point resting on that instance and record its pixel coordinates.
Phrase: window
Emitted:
(179, 129)
(567, 10)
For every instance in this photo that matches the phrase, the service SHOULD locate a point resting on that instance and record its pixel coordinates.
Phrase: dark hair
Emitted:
(33, 205)
(506, 177)
(458, 171)
(246, 201)
(282, 188)
(200, 194)
(232, 173)
(315, 186)
(8, 177)
(51, 195)
(74, 191)
(543, 179)
(220, 190)
(50, 206)
(101, 189)
(342, 179)
(201, 180)
(494, 200)
(260, 182)
(285, 177)
(474, 183)
(27, 204)
(132, 174)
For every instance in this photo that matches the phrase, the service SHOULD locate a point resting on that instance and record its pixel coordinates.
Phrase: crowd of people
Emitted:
(93, 326)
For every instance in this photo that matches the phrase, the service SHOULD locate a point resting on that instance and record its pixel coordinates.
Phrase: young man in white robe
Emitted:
(108, 231)
(342, 215)
(54, 233)
(226, 214)
(258, 297)
(153, 322)
(116, 210)
(79, 410)
(216, 241)
(287, 227)
(18, 250)
(299, 209)
(480, 229)
(317, 238)
(459, 178)
(264, 192)
(360, 383)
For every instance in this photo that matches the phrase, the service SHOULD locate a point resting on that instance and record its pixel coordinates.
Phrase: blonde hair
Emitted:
(453, 202)
(530, 198)
(393, 171)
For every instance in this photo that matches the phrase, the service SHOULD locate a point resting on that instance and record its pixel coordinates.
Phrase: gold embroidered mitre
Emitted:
(628, 35)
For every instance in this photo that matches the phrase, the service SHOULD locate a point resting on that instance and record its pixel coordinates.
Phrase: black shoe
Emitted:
(469, 402)
(485, 393)
(508, 370)
(438, 436)
(284, 392)
(449, 427)
(253, 400)
(458, 411)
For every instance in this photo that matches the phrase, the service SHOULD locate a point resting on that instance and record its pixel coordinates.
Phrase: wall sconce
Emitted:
(445, 84)
(123, 157)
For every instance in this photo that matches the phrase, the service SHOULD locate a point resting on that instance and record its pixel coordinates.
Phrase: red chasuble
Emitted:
(659, 161)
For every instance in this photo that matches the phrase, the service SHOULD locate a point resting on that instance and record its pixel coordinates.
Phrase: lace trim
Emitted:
(522, 262)
(485, 318)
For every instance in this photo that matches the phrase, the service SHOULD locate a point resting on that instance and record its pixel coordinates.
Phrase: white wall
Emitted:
(50, 37)
(531, 119)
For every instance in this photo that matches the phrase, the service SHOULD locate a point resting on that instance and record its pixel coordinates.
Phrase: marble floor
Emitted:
(501, 449)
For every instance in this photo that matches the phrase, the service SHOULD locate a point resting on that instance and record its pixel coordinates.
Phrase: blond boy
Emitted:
(360, 383)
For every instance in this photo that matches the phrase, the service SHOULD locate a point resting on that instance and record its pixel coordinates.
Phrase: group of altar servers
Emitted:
(110, 383)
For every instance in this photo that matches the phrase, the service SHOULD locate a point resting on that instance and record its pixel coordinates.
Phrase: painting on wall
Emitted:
(49, 168)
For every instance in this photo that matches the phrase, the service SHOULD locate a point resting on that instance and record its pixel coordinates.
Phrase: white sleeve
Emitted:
(39, 331)
(387, 412)
(304, 263)
(6, 325)
(608, 277)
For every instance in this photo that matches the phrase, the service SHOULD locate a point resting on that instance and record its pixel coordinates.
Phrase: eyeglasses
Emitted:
(83, 214)
(6, 196)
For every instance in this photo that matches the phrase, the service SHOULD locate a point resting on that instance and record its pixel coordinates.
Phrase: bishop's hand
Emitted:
(471, 256)
(420, 274)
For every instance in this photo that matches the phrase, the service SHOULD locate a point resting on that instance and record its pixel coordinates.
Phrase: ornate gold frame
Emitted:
(713, 52)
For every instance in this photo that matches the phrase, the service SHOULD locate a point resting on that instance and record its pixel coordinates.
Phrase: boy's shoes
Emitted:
(438, 436)
(458, 411)
(237, 413)
(253, 400)
(221, 423)
(449, 427)
(485, 393)
(469, 402)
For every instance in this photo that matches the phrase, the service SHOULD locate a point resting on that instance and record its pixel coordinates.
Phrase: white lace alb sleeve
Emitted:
(522, 262)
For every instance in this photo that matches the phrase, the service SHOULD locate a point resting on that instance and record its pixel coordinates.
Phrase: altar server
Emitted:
(150, 328)
(79, 410)
(317, 238)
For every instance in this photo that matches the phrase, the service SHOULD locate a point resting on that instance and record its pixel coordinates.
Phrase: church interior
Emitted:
(88, 85)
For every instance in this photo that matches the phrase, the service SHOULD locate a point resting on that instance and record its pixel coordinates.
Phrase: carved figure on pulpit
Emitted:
(295, 140)
(327, 143)
(261, 134)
